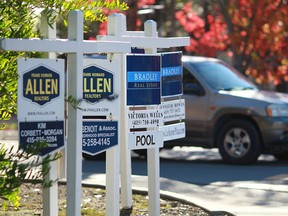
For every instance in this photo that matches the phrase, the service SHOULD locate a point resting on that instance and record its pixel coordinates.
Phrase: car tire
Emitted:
(281, 156)
(238, 142)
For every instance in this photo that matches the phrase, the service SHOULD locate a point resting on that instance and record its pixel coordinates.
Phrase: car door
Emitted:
(196, 107)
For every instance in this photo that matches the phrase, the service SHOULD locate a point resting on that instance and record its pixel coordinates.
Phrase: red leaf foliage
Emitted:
(254, 31)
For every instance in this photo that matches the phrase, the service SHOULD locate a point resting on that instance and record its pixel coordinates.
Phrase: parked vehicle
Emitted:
(225, 110)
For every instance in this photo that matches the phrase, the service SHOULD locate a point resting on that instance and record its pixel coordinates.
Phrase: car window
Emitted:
(220, 77)
(191, 84)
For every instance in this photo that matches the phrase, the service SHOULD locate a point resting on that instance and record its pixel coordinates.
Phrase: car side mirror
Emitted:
(193, 88)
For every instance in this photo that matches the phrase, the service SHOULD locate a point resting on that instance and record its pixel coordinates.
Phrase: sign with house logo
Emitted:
(101, 103)
(41, 89)
(41, 85)
(97, 84)
(101, 87)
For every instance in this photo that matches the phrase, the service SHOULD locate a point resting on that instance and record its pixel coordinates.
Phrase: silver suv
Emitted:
(225, 110)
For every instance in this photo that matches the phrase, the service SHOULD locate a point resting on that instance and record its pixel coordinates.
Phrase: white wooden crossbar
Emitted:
(63, 45)
(150, 42)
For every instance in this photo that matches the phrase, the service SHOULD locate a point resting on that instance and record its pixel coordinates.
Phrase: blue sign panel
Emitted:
(143, 80)
(172, 74)
(97, 84)
(51, 132)
(99, 136)
(41, 85)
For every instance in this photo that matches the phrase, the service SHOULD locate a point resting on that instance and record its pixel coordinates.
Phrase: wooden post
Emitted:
(116, 27)
(50, 195)
(74, 142)
(150, 29)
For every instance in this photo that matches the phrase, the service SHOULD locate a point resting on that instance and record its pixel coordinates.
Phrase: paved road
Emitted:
(202, 167)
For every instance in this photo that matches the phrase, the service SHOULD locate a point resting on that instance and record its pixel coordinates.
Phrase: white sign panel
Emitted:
(173, 110)
(41, 89)
(174, 131)
(145, 140)
(145, 118)
(101, 87)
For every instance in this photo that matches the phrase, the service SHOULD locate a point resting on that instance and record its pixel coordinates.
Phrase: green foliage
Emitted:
(73, 102)
(94, 11)
(16, 166)
(18, 19)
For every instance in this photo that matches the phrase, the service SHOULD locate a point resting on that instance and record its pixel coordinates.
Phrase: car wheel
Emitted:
(238, 142)
(281, 156)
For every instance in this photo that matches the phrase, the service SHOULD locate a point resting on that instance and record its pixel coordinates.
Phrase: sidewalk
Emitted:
(239, 198)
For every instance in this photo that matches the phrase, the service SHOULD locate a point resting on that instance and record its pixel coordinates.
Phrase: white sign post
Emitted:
(57, 168)
(150, 29)
(101, 111)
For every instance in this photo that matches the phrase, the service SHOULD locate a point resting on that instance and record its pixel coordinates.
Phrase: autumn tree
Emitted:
(253, 33)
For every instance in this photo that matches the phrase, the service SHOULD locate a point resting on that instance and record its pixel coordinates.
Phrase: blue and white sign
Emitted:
(41, 89)
(41, 85)
(97, 84)
(51, 132)
(98, 136)
(172, 74)
(143, 79)
(101, 86)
